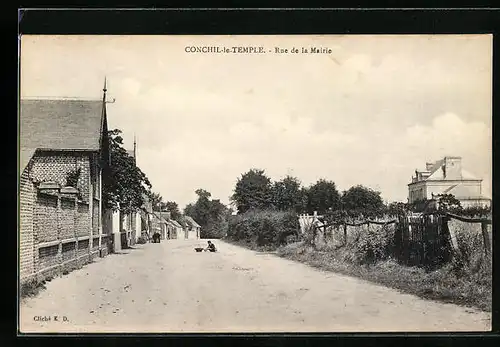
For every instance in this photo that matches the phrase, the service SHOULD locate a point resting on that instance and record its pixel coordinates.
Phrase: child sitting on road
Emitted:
(211, 247)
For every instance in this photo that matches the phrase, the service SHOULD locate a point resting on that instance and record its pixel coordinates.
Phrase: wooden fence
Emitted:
(421, 239)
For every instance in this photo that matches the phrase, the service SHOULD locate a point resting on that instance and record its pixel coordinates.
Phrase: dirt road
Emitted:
(168, 287)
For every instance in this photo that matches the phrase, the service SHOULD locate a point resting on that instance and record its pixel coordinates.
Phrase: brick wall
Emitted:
(54, 166)
(83, 220)
(95, 244)
(45, 218)
(50, 218)
(47, 257)
(83, 247)
(26, 237)
(67, 219)
(68, 251)
(95, 217)
(94, 170)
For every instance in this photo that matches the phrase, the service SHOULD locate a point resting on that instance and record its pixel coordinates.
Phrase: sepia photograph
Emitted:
(254, 183)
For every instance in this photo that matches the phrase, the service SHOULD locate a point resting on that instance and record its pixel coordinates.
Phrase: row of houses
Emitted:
(185, 227)
(64, 157)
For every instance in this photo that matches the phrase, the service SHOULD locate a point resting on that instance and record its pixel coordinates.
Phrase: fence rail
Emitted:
(469, 220)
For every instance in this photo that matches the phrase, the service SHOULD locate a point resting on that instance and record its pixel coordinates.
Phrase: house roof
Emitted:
(437, 174)
(192, 222)
(61, 124)
(174, 223)
(25, 155)
(182, 221)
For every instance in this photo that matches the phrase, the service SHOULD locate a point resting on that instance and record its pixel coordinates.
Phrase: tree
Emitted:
(253, 191)
(202, 193)
(211, 215)
(396, 207)
(360, 200)
(173, 208)
(156, 201)
(125, 184)
(322, 197)
(448, 203)
(287, 194)
(189, 209)
(202, 207)
(217, 221)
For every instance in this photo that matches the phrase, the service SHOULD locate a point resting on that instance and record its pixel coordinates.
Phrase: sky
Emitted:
(371, 112)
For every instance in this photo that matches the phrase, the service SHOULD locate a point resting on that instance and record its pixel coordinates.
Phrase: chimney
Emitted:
(428, 166)
(452, 168)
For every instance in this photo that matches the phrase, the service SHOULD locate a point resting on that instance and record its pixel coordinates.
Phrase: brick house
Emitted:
(60, 224)
(447, 176)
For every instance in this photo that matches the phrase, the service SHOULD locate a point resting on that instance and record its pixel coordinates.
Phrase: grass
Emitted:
(250, 245)
(31, 288)
(467, 288)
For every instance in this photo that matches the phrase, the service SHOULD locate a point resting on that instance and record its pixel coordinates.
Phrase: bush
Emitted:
(141, 240)
(370, 246)
(471, 260)
(264, 228)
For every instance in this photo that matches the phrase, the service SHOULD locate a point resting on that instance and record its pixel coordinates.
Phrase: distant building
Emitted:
(191, 228)
(446, 176)
(174, 229)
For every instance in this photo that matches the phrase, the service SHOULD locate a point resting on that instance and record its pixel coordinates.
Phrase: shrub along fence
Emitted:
(264, 228)
(427, 240)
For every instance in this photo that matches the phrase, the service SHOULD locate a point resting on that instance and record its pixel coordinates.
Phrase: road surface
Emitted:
(168, 287)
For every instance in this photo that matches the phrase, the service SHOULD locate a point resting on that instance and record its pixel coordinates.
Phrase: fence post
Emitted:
(453, 237)
(345, 233)
(405, 233)
(486, 238)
